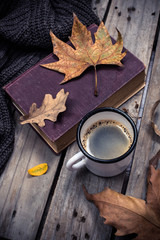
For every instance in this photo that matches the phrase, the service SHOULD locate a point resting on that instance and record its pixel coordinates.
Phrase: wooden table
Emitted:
(53, 205)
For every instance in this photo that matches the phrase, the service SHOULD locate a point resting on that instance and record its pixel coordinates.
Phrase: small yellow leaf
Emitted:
(38, 170)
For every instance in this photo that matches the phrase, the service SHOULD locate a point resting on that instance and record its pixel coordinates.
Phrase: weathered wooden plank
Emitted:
(70, 215)
(23, 197)
(148, 142)
(99, 7)
(137, 23)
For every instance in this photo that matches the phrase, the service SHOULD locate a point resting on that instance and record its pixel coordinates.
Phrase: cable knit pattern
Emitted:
(30, 24)
(24, 40)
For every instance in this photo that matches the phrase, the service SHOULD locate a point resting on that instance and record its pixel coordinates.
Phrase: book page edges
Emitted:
(115, 100)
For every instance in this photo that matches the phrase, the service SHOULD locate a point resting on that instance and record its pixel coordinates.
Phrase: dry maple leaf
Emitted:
(132, 215)
(49, 109)
(72, 62)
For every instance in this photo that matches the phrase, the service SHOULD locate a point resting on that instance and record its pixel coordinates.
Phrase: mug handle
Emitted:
(76, 162)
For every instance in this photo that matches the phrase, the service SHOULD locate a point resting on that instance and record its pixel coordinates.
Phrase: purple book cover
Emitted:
(32, 86)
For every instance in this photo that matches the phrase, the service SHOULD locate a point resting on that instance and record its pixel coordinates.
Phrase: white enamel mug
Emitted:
(103, 167)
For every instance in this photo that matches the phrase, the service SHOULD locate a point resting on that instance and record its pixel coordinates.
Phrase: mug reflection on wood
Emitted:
(106, 137)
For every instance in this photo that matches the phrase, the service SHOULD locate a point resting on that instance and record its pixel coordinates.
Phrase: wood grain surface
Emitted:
(148, 142)
(23, 197)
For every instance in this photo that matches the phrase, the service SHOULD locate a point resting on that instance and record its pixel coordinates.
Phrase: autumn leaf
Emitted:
(38, 170)
(73, 62)
(132, 215)
(49, 109)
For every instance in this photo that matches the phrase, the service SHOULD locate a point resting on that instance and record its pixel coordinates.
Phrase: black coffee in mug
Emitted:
(107, 139)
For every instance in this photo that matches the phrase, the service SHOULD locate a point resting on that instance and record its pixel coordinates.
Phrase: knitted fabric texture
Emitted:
(24, 40)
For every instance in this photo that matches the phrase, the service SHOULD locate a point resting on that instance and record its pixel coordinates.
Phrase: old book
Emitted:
(115, 86)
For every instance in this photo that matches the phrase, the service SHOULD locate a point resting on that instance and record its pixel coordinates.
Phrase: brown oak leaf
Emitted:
(132, 215)
(49, 109)
(72, 62)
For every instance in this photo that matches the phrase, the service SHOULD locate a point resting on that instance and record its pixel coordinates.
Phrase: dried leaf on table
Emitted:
(49, 109)
(72, 62)
(154, 126)
(38, 170)
(132, 215)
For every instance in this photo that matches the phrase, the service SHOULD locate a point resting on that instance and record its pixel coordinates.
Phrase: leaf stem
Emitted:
(95, 90)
